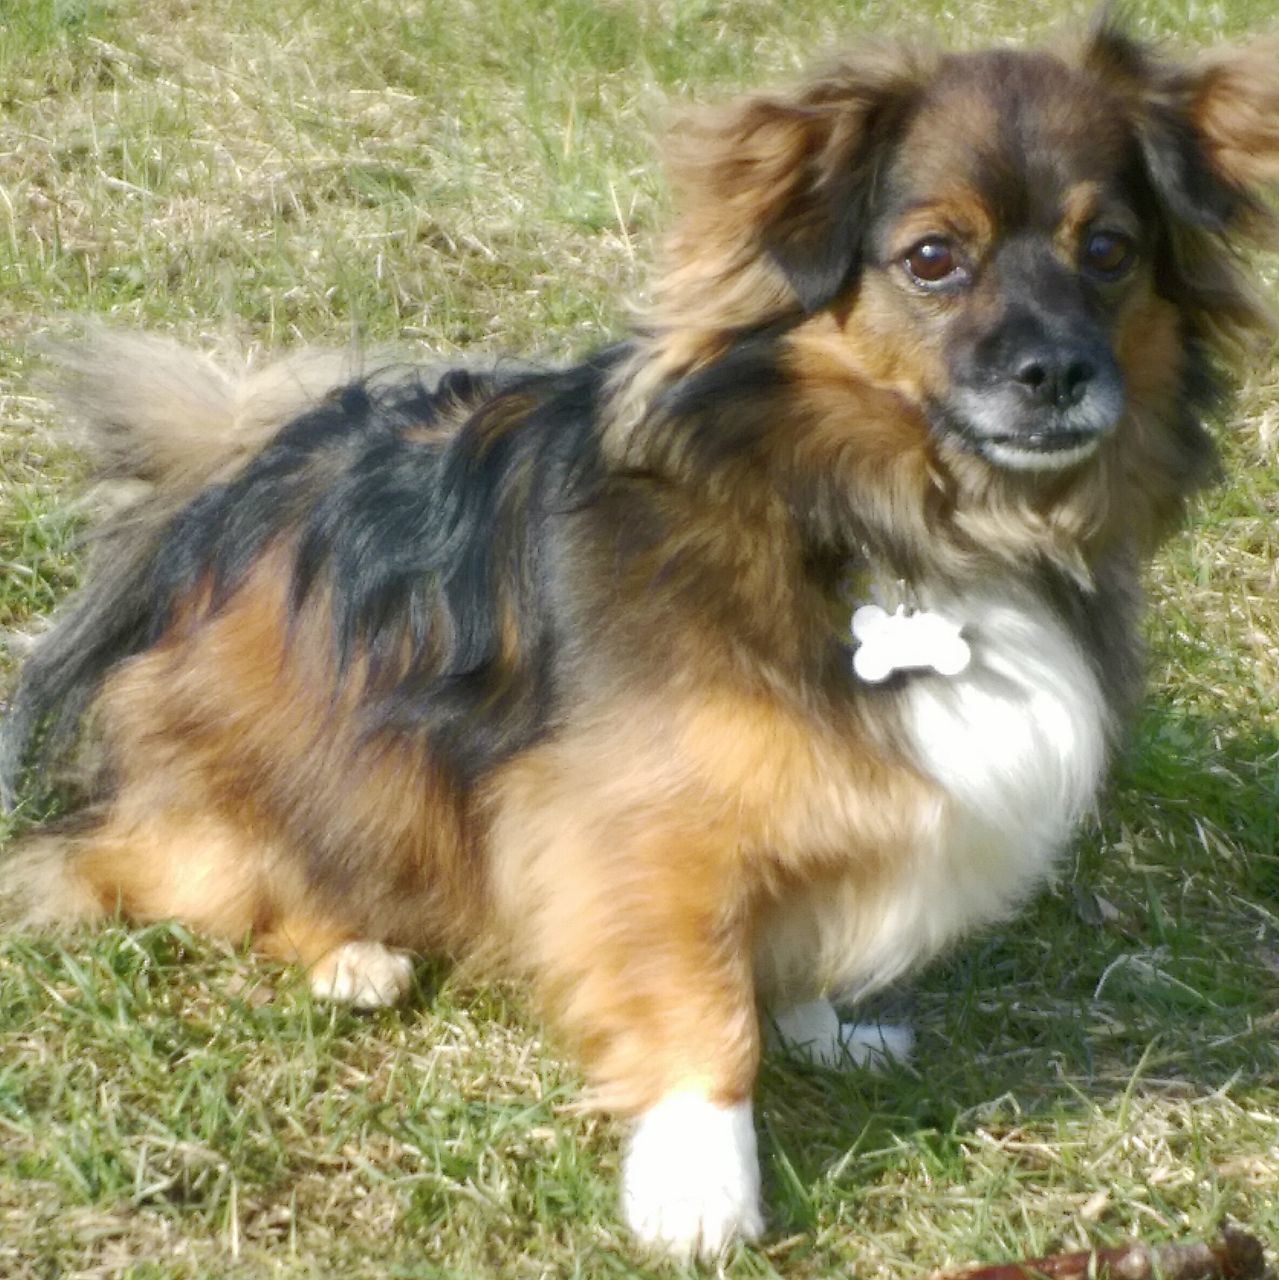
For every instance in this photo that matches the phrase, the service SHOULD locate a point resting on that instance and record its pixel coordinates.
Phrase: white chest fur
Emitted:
(1018, 740)
(1016, 743)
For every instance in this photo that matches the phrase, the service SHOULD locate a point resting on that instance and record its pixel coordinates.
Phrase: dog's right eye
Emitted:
(932, 262)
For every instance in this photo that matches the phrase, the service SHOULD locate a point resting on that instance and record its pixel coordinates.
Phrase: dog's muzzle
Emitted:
(1048, 406)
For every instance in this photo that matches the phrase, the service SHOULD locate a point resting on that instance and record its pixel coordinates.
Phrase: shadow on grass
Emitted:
(1151, 971)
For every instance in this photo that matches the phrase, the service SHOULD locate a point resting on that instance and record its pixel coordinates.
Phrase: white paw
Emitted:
(364, 974)
(814, 1031)
(690, 1180)
(876, 1044)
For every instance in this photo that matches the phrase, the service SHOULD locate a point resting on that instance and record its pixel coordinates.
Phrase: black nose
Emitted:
(1056, 378)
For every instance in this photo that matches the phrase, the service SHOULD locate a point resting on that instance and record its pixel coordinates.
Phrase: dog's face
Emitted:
(1006, 243)
(1031, 251)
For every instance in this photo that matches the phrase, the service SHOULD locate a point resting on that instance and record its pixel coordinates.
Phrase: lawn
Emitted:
(481, 174)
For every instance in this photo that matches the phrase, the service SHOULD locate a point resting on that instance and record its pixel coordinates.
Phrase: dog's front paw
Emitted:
(364, 974)
(814, 1031)
(690, 1181)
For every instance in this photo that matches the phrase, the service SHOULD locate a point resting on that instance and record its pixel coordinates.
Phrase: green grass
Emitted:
(482, 174)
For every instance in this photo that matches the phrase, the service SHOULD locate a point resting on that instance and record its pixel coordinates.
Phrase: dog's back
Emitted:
(306, 584)
(158, 422)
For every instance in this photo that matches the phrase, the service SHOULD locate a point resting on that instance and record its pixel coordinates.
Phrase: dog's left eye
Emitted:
(1108, 254)
(933, 262)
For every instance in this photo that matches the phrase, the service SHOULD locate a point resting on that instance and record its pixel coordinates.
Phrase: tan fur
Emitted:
(752, 168)
(163, 417)
(632, 867)
(1236, 107)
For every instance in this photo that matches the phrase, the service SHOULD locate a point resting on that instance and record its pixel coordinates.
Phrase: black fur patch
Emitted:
(723, 411)
(418, 543)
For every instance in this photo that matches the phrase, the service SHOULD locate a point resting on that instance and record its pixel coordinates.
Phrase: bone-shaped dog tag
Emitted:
(906, 641)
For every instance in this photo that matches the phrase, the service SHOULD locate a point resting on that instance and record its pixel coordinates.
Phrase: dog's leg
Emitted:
(188, 867)
(813, 1030)
(668, 1014)
(635, 933)
(665, 1011)
(203, 872)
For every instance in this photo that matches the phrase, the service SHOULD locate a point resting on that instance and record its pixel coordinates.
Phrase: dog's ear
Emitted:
(774, 193)
(1208, 135)
(1208, 129)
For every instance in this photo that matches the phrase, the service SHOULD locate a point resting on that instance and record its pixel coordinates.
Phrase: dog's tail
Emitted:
(160, 423)
(164, 421)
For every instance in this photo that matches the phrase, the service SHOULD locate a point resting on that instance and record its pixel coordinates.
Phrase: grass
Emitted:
(481, 174)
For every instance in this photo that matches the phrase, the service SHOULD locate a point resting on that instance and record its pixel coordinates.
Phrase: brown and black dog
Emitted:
(554, 666)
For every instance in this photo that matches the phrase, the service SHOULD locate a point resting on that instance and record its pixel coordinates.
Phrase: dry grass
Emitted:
(480, 173)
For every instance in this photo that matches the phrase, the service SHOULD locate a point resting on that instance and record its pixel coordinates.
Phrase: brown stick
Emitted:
(1233, 1255)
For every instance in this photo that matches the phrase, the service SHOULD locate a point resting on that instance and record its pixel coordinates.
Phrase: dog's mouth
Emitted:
(1050, 450)
(998, 427)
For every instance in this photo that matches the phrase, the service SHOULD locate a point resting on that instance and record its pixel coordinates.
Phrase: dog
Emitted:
(551, 669)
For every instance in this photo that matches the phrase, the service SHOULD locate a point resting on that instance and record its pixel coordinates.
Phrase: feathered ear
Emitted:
(1208, 135)
(774, 193)
(1208, 129)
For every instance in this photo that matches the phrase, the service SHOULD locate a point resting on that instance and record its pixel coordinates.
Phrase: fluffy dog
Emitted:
(553, 667)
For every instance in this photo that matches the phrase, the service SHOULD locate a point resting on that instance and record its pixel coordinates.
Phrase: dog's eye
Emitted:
(932, 261)
(1107, 254)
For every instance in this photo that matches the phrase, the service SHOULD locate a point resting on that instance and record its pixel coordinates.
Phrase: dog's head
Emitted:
(1026, 247)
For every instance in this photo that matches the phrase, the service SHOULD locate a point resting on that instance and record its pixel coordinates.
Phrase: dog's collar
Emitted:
(892, 632)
